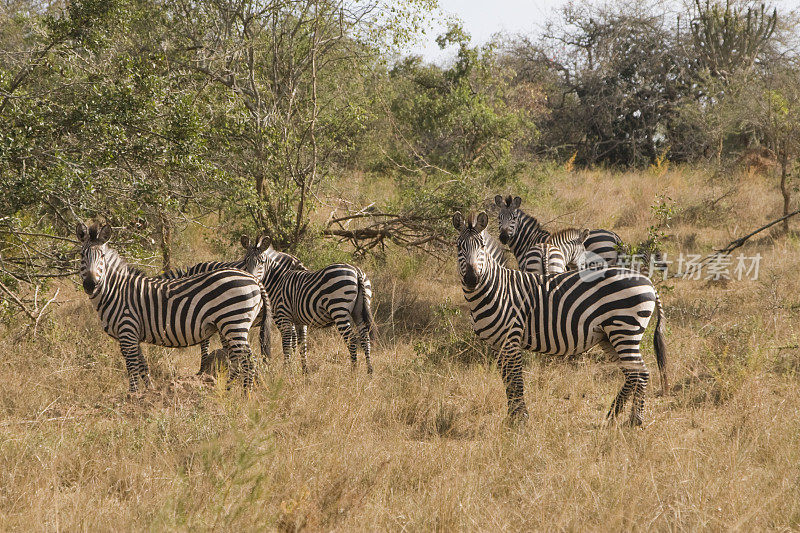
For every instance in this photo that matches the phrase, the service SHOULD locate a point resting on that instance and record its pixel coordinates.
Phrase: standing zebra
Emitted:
(134, 308)
(520, 231)
(337, 294)
(544, 259)
(255, 262)
(561, 249)
(564, 314)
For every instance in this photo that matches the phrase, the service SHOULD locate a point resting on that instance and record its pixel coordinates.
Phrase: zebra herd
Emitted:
(186, 307)
(540, 307)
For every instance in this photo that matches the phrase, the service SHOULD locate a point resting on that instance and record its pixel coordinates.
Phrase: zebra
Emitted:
(544, 259)
(570, 242)
(561, 249)
(520, 231)
(564, 314)
(135, 308)
(338, 294)
(256, 261)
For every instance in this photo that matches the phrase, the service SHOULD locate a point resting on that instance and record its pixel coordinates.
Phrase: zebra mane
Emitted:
(117, 263)
(286, 261)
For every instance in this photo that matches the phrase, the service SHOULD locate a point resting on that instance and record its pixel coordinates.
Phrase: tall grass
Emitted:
(422, 444)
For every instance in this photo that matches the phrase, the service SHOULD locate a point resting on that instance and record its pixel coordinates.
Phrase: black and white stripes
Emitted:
(520, 231)
(338, 294)
(134, 308)
(560, 315)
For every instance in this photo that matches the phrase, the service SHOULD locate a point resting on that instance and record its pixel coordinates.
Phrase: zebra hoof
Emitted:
(635, 422)
(518, 419)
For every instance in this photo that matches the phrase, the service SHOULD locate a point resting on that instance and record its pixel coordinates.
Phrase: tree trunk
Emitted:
(166, 241)
(784, 188)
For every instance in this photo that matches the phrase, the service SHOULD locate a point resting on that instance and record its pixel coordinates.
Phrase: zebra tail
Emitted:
(266, 319)
(660, 346)
(361, 309)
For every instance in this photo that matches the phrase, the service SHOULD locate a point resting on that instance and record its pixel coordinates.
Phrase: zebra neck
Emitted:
(529, 232)
(489, 284)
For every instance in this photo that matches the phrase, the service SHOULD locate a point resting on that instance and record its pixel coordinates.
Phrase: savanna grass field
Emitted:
(423, 443)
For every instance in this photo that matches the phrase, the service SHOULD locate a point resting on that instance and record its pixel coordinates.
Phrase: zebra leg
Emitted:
(241, 358)
(203, 355)
(510, 363)
(365, 345)
(129, 346)
(346, 330)
(288, 336)
(642, 378)
(625, 349)
(302, 340)
(622, 396)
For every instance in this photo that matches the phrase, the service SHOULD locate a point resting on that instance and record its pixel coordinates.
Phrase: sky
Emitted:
(484, 18)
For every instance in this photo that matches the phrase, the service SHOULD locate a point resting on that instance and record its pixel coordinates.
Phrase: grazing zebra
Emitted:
(520, 231)
(134, 308)
(338, 294)
(564, 314)
(256, 261)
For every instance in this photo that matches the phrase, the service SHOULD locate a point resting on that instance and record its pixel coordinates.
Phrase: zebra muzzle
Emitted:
(89, 286)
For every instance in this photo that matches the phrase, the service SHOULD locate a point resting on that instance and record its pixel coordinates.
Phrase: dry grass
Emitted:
(422, 444)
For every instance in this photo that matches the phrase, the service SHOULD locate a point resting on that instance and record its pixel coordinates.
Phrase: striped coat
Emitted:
(520, 231)
(562, 315)
(339, 294)
(255, 262)
(134, 308)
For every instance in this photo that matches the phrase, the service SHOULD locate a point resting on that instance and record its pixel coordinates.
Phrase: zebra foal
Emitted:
(560, 250)
(135, 308)
(564, 314)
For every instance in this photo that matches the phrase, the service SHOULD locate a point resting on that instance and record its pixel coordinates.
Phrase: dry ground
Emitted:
(422, 444)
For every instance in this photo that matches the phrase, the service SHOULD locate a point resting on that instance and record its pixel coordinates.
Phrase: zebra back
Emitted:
(201, 267)
(255, 261)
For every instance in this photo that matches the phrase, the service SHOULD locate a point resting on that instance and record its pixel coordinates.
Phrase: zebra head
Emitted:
(257, 259)
(508, 217)
(471, 247)
(93, 255)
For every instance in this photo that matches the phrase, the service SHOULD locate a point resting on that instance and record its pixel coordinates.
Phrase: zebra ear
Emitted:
(481, 221)
(584, 235)
(105, 233)
(82, 232)
(458, 220)
(245, 240)
(498, 201)
(263, 243)
(516, 202)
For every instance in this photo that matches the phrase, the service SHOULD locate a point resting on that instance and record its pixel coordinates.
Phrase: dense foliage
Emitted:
(153, 114)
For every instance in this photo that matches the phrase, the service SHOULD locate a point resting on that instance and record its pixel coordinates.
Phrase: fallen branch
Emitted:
(739, 242)
(734, 244)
